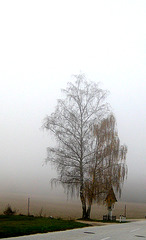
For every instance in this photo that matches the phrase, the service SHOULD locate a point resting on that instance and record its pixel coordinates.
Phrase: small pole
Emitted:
(28, 205)
(125, 211)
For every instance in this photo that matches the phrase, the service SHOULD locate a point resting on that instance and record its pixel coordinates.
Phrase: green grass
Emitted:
(12, 226)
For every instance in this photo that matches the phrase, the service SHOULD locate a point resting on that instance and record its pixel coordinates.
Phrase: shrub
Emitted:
(9, 211)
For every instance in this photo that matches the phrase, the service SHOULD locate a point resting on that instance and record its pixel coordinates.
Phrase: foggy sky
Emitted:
(42, 44)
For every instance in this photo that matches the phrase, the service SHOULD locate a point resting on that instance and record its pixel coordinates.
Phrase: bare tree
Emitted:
(82, 153)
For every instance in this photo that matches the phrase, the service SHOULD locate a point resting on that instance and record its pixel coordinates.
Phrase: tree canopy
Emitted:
(88, 155)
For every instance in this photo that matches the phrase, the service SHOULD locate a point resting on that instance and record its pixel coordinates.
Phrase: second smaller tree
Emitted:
(108, 166)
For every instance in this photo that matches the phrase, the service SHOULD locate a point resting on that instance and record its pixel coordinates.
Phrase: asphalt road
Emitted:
(125, 231)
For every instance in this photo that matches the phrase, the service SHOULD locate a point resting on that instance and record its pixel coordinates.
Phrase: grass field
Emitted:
(12, 226)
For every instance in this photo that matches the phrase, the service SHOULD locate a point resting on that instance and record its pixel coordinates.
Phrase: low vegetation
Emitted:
(18, 225)
(9, 211)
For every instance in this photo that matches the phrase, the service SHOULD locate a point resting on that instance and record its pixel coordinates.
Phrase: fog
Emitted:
(42, 44)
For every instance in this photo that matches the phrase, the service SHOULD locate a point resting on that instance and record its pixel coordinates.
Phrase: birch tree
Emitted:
(87, 153)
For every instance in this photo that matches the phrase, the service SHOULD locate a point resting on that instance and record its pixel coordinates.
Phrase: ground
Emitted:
(68, 209)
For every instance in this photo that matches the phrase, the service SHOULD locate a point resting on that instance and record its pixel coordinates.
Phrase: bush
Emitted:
(9, 211)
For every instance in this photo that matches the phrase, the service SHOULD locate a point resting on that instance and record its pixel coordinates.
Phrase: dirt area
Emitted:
(68, 209)
(102, 224)
(94, 223)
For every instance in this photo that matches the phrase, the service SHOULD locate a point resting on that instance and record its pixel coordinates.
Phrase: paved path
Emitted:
(125, 231)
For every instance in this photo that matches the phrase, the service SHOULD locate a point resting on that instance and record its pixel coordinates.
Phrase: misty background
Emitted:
(42, 43)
